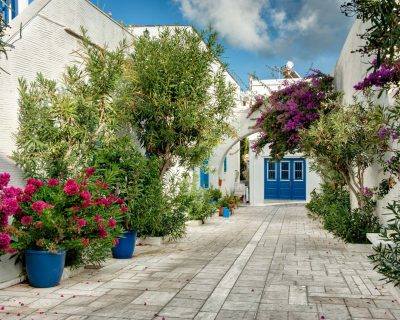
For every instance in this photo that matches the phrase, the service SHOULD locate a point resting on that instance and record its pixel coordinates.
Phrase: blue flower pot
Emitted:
(126, 246)
(44, 268)
(226, 212)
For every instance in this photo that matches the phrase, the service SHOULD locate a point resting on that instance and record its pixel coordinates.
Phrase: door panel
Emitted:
(285, 179)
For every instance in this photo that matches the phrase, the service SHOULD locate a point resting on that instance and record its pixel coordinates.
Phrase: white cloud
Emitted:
(302, 28)
(240, 22)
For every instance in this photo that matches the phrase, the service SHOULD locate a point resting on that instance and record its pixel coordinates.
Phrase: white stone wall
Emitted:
(350, 69)
(44, 46)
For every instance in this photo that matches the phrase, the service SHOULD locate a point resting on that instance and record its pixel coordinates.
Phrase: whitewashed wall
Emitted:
(44, 46)
(350, 69)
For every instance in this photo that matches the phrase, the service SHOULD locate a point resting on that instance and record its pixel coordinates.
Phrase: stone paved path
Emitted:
(262, 263)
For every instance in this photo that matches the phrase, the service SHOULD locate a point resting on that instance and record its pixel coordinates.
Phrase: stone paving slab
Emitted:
(262, 263)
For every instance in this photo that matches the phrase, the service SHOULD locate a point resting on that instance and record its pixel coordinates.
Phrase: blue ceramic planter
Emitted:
(226, 212)
(126, 246)
(44, 268)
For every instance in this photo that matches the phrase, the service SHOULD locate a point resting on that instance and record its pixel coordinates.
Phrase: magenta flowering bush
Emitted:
(291, 109)
(79, 215)
(9, 206)
(382, 78)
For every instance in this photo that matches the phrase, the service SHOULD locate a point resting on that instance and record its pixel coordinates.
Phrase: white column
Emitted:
(22, 4)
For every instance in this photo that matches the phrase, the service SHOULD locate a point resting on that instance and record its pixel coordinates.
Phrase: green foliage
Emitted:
(157, 210)
(382, 35)
(387, 257)
(229, 201)
(3, 44)
(120, 163)
(179, 104)
(332, 206)
(60, 123)
(214, 194)
(346, 141)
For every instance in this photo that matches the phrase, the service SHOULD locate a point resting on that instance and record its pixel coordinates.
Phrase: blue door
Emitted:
(285, 179)
(204, 176)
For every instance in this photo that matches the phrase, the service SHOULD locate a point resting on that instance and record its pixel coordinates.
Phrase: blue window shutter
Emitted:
(225, 164)
(5, 12)
(14, 8)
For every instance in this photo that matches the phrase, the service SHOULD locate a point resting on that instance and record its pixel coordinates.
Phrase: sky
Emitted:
(258, 35)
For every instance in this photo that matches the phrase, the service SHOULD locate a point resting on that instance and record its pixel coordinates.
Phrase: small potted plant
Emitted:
(225, 203)
(79, 214)
(120, 162)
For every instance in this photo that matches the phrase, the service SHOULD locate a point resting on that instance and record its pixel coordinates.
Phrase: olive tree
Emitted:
(180, 98)
(59, 123)
(347, 141)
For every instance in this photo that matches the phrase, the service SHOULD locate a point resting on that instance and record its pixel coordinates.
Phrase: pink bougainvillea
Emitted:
(386, 75)
(291, 109)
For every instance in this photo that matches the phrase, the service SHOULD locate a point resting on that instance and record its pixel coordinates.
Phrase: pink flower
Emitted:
(38, 224)
(11, 192)
(36, 182)
(85, 195)
(103, 233)
(26, 220)
(115, 242)
(4, 179)
(124, 208)
(101, 185)
(30, 189)
(71, 187)
(104, 202)
(90, 171)
(112, 223)
(81, 223)
(9, 206)
(85, 242)
(53, 182)
(5, 241)
(367, 192)
(98, 218)
(40, 206)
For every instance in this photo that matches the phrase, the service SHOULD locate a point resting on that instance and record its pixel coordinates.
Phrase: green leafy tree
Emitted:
(382, 36)
(347, 141)
(180, 99)
(59, 123)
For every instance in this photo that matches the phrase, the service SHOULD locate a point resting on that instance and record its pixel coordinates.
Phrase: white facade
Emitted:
(45, 43)
(256, 162)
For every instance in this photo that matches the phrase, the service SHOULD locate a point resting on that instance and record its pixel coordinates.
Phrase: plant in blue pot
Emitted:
(225, 204)
(78, 215)
(119, 161)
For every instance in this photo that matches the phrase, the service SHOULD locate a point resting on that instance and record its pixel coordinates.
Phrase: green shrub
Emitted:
(332, 206)
(202, 206)
(214, 194)
(387, 258)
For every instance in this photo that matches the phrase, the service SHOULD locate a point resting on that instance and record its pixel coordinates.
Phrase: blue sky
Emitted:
(256, 34)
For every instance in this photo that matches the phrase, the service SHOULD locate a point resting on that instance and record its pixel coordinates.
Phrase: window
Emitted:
(271, 170)
(298, 170)
(285, 170)
(225, 164)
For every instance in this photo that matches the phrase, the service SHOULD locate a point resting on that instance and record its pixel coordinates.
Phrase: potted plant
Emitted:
(225, 203)
(80, 215)
(120, 162)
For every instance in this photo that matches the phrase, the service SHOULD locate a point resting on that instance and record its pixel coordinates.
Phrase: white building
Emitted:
(44, 35)
(290, 179)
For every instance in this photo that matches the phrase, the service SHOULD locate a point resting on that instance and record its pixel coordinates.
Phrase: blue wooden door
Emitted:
(204, 176)
(285, 179)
